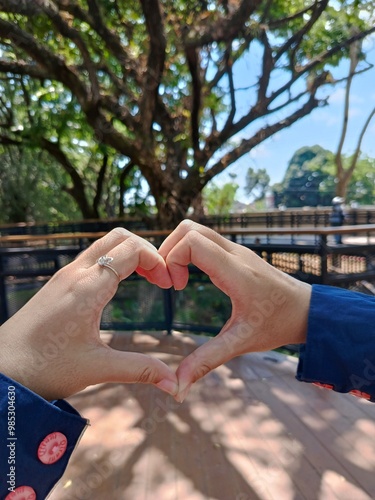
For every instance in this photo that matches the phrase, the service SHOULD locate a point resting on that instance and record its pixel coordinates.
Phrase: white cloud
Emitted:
(337, 97)
(327, 117)
(260, 151)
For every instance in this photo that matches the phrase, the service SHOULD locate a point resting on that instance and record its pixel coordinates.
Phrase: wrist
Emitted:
(298, 311)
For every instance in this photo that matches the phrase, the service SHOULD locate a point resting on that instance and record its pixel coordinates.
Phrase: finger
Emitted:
(204, 359)
(133, 253)
(204, 253)
(104, 245)
(151, 277)
(184, 228)
(118, 366)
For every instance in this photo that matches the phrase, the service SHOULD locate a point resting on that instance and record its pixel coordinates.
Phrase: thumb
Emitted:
(131, 367)
(205, 358)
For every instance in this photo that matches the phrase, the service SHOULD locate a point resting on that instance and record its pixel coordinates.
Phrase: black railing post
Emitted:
(168, 309)
(323, 251)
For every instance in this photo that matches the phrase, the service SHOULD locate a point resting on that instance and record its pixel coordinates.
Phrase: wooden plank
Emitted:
(356, 458)
(247, 431)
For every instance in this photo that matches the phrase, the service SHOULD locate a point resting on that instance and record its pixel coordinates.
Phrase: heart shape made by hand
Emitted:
(53, 344)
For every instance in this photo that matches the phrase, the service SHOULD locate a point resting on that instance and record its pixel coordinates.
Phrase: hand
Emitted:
(269, 308)
(52, 345)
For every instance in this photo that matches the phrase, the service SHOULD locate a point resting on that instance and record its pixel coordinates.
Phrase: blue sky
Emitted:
(321, 127)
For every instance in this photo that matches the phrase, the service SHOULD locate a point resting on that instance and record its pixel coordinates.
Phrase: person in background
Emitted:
(337, 216)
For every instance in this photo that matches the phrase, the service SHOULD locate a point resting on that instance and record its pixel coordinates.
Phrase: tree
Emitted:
(219, 200)
(310, 179)
(156, 83)
(257, 183)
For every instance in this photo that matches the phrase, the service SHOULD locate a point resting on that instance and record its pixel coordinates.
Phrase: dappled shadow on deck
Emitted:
(247, 431)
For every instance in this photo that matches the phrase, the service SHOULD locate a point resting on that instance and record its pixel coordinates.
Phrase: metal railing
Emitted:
(289, 218)
(311, 255)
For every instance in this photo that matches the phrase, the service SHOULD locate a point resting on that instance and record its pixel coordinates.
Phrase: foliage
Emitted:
(219, 200)
(157, 85)
(32, 188)
(257, 183)
(310, 179)
(202, 303)
(362, 184)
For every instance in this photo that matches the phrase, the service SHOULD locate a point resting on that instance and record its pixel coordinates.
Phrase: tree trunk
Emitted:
(197, 207)
(87, 211)
(171, 210)
(174, 196)
(342, 185)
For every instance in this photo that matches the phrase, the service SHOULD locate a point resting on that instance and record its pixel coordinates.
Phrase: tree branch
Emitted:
(316, 61)
(193, 60)
(226, 28)
(317, 9)
(67, 31)
(247, 145)
(46, 59)
(106, 132)
(155, 64)
(354, 60)
(57, 69)
(277, 23)
(229, 71)
(109, 37)
(100, 183)
(19, 7)
(23, 68)
(268, 64)
(6, 111)
(8, 141)
(78, 190)
(124, 173)
(357, 152)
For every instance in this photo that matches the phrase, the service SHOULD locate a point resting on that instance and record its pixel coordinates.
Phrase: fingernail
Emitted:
(168, 386)
(182, 393)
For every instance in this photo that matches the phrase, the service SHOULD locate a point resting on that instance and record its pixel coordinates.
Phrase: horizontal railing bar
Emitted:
(364, 228)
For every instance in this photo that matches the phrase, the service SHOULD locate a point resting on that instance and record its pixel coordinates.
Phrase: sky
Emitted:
(321, 127)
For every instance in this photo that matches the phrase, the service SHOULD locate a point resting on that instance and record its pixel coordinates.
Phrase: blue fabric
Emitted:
(35, 418)
(340, 346)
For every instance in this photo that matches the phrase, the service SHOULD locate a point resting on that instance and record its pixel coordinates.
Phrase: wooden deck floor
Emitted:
(247, 431)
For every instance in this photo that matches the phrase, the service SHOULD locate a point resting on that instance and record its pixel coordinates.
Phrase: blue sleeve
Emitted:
(339, 353)
(37, 439)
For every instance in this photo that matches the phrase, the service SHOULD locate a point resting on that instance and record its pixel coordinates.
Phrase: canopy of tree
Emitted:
(310, 179)
(153, 85)
(219, 200)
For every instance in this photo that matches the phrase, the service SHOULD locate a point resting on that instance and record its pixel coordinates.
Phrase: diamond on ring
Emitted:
(104, 261)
